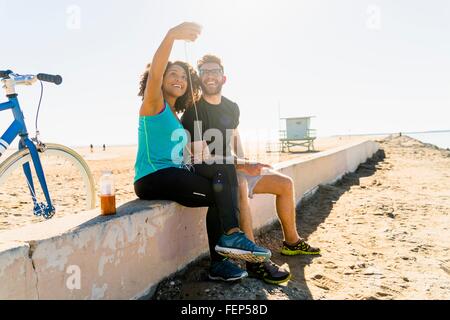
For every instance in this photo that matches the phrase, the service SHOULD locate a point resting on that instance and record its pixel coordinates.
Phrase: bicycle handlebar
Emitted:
(5, 73)
(56, 79)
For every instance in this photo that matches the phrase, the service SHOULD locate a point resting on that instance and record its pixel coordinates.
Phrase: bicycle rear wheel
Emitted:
(69, 181)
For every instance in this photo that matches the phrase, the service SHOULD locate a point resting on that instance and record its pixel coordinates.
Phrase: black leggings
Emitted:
(214, 186)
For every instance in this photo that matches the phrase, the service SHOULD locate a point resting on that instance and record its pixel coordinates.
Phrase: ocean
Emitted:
(440, 139)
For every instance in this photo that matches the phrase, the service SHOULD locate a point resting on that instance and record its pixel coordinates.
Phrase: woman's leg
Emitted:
(217, 188)
(226, 192)
(214, 187)
(179, 185)
(215, 231)
(225, 183)
(190, 190)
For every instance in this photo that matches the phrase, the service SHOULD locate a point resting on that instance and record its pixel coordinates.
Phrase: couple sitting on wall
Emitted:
(225, 185)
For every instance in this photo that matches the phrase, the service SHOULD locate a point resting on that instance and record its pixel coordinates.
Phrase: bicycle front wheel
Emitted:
(69, 181)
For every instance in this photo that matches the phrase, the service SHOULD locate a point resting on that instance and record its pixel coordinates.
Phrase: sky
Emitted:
(357, 66)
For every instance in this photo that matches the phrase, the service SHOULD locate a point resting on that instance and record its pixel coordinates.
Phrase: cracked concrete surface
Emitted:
(32, 247)
(17, 274)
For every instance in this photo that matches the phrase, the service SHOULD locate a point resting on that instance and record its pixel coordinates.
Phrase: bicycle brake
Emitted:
(40, 146)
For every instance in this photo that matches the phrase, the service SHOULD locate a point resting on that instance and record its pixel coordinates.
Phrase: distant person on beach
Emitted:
(166, 90)
(104, 147)
(92, 148)
(217, 112)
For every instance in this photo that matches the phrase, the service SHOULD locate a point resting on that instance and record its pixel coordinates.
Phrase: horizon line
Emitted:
(337, 135)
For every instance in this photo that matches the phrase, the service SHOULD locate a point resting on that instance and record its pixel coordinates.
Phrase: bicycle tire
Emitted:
(19, 158)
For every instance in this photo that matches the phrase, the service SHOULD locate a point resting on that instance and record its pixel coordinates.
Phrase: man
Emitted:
(219, 113)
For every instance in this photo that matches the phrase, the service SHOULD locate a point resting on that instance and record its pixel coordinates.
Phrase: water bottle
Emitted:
(107, 194)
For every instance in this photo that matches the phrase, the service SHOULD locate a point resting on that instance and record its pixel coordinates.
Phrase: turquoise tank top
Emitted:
(162, 140)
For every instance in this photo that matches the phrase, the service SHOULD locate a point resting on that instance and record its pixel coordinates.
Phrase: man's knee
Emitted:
(288, 184)
(284, 185)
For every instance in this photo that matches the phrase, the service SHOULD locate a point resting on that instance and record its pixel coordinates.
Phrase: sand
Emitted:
(16, 206)
(383, 231)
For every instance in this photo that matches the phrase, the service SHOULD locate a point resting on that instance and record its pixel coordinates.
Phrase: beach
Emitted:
(16, 209)
(383, 231)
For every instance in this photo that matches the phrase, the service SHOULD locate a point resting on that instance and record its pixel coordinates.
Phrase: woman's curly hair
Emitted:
(185, 101)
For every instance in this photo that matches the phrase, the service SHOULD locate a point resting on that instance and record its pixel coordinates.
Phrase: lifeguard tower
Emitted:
(298, 133)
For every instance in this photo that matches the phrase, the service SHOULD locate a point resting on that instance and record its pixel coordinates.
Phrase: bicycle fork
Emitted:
(40, 209)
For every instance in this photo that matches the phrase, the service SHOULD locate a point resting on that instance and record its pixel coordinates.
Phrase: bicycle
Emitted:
(60, 161)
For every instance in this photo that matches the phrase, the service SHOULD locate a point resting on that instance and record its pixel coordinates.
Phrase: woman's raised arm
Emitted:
(153, 96)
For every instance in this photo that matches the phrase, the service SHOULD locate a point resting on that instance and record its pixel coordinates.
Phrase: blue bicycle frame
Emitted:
(18, 128)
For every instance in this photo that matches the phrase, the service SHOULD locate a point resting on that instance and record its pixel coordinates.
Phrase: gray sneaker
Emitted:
(226, 270)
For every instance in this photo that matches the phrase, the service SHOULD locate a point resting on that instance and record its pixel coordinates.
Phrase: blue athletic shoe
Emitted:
(226, 271)
(238, 246)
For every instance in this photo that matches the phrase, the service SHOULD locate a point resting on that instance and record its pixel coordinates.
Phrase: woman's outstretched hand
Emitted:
(188, 31)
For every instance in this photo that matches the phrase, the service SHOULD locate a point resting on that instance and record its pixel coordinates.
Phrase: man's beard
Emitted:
(212, 91)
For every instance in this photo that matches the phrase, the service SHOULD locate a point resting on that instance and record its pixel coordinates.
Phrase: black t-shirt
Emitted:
(222, 117)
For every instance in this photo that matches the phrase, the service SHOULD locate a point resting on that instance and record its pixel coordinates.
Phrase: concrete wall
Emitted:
(125, 256)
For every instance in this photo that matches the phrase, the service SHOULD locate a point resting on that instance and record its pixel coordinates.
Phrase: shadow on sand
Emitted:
(310, 215)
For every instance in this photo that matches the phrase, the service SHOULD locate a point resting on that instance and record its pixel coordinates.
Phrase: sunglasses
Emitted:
(213, 72)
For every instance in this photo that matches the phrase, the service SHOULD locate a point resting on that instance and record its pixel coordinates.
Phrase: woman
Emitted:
(160, 175)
